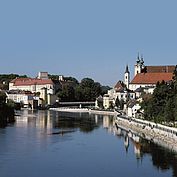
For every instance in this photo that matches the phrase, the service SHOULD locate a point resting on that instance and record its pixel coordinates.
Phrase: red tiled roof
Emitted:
(30, 81)
(119, 86)
(160, 69)
(151, 78)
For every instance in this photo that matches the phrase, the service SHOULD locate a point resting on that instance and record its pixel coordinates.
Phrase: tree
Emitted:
(6, 111)
(72, 79)
(67, 93)
(2, 98)
(104, 89)
(117, 102)
(90, 89)
(169, 113)
(122, 104)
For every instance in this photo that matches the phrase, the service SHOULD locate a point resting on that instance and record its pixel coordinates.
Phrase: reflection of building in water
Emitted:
(25, 118)
(108, 123)
(126, 142)
(129, 135)
(137, 150)
(44, 120)
(96, 119)
(39, 119)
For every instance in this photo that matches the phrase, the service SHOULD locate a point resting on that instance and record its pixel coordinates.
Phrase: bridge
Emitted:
(76, 104)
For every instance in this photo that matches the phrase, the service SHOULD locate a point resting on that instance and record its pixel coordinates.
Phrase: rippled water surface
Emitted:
(48, 143)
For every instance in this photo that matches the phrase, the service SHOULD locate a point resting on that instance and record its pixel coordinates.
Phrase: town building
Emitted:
(144, 81)
(120, 92)
(23, 98)
(132, 108)
(42, 86)
(148, 76)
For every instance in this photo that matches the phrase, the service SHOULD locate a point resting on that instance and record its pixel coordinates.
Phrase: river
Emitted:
(53, 144)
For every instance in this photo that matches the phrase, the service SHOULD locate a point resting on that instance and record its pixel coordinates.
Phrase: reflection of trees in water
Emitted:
(82, 121)
(162, 158)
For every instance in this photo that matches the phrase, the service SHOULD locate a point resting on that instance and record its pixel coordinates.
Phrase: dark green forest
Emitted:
(6, 78)
(86, 90)
(161, 106)
(6, 111)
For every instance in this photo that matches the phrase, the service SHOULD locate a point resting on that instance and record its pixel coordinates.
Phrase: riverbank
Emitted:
(160, 134)
(84, 110)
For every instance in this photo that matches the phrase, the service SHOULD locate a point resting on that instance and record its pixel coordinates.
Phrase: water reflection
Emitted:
(51, 120)
(42, 129)
(162, 158)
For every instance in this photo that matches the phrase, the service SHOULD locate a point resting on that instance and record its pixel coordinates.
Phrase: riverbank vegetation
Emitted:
(86, 90)
(6, 111)
(6, 78)
(161, 106)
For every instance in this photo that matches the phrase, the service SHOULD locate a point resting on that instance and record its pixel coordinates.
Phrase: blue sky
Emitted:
(86, 38)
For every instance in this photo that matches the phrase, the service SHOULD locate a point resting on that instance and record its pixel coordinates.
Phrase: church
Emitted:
(147, 76)
(144, 80)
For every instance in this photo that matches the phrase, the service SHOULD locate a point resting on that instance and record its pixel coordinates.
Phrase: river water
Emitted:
(52, 144)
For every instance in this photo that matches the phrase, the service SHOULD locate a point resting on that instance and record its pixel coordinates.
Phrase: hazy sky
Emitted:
(86, 38)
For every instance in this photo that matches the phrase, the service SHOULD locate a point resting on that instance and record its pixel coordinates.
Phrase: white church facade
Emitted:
(144, 80)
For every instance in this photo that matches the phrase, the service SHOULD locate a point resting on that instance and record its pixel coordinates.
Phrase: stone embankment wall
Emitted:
(160, 134)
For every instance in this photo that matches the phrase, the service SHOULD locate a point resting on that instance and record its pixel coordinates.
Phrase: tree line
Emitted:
(161, 106)
(6, 110)
(86, 90)
(71, 89)
(6, 78)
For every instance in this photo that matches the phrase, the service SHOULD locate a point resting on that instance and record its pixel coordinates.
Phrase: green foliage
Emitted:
(67, 93)
(53, 77)
(117, 103)
(162, 105)
(104, 89)
(2, 98)
(6, 78)
(86, 90)
(72, 79)
(6, 111)
(122, 104)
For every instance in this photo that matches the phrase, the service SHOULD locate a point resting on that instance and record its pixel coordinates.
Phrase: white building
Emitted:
(120, 92)
(32, 84)
(148, 76)
(132, 109)
(41, 86)
(24, 98)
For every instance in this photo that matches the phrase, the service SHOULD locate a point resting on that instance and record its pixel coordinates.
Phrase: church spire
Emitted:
(127, 70)
(142, 60)
(127, 77)
(138, 58)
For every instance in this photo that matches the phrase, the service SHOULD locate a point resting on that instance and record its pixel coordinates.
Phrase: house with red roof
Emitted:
(41, 86)
(148, 76)
(144, 80)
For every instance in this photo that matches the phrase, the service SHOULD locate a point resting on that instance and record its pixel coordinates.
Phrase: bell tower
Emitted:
(139, 65)
(127, 77)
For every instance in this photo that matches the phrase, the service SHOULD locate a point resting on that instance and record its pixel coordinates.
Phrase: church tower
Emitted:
(127, 77)
(139, 65)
